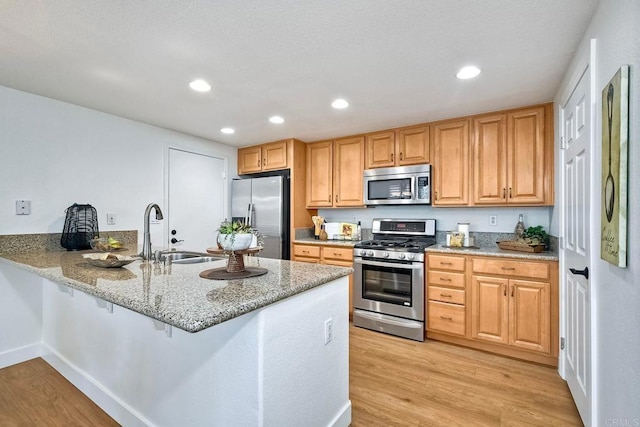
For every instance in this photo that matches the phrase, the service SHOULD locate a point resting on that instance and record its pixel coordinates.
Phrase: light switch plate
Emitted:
(23, 207)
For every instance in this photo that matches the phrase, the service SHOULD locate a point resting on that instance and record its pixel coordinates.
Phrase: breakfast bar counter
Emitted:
(155, 344)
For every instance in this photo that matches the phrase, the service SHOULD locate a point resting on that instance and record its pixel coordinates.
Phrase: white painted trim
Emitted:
(343, 418)
(107, 401)
(20, 354)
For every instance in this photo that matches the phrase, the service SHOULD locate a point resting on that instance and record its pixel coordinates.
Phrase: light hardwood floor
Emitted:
(399, 382)
(393, 382)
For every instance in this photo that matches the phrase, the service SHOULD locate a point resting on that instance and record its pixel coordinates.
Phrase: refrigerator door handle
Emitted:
(246, 217)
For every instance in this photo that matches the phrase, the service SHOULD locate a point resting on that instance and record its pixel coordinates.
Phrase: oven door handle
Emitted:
(414, 266)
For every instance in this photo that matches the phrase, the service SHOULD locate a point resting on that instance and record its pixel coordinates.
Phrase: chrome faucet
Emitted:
(146, 244)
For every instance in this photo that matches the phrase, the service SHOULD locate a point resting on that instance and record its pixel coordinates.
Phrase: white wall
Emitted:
(616, 291)
(447, 218)
(56, 154)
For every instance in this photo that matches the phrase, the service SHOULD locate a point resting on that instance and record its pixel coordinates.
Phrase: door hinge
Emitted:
(561, 343)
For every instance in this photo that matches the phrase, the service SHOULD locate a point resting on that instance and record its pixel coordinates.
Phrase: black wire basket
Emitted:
(80, 226)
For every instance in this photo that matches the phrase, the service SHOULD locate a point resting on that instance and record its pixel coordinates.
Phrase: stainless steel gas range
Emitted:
(388, 294)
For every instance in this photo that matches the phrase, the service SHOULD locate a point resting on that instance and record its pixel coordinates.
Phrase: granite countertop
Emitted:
(495, 251)
(175, 294)
(312, 241)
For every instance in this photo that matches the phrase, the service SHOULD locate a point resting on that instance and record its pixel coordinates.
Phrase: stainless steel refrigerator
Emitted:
(264, 203)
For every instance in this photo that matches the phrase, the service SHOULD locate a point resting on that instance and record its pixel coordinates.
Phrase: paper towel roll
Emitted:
(463, 227)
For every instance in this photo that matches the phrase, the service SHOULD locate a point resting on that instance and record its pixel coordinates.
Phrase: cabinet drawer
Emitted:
(445, 278)
(307, 251)
(339, 254)
(534, 270)
(446, 262)
(454, 296)
(445, 317)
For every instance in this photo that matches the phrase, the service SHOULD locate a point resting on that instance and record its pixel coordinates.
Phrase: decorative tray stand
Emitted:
(235, 268)
(513, 245)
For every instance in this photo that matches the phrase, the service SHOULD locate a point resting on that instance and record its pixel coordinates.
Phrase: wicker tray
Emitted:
(514, 246)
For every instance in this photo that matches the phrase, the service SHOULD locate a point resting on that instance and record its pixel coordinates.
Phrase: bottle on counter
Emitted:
(323, 233)
(359, 231)
(519, 231)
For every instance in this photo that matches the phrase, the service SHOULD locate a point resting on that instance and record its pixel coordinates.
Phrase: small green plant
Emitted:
(234, 227)
(536, 235)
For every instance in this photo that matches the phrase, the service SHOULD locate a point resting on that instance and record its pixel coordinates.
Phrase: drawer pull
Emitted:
(337, 254)
(445, 279)
(445, 263)
(305, 252)
(445, 295)
(446, 317)
(508, 268)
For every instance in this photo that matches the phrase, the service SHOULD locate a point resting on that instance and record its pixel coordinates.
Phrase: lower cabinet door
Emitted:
(444, 317)
(529, 315)
(489, 309)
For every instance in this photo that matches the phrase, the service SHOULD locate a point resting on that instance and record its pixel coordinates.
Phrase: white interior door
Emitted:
(576, 310)
(196, 199)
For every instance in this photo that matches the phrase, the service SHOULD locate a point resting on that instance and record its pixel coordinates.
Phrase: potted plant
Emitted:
(535, 236)
(235, 235)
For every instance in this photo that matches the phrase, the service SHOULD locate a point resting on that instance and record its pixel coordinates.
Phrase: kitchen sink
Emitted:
(197, 260)
(186, 257)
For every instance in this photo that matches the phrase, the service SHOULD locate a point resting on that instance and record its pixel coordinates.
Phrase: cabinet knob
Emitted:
(329, 198)
(401, 155)
(392, 157)
(504, 290)
(512, 289)
(504, 193)
(258, 162)
(436, 195)
(264, 162)
(510, 195)
(336, 198)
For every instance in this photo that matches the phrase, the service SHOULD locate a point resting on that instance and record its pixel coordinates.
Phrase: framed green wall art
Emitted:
(615, 138)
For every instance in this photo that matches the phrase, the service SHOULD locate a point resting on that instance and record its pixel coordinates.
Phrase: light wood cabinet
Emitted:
(262, 158)
(446, 294)
(502, 305)
(330, 255)
(512, 163)
(334, 173)
(451, 163)
(400, 147)
(511, 311)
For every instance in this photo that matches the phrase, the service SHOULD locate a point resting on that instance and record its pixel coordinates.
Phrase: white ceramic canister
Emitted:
(463, 227)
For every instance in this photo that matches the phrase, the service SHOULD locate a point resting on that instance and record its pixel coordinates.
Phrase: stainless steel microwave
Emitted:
(403, 185)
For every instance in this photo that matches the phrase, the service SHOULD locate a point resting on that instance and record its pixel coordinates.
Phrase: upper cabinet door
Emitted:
(490, 160)
(348, 165)
(380, 148)
(249, 160)
(526, 156)
(413, 146)
(451, 163)
(274, 156)
(320, 174)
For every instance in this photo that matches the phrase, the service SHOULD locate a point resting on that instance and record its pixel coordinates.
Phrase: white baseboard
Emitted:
(19, 355)
(343, 419)
(101, 396)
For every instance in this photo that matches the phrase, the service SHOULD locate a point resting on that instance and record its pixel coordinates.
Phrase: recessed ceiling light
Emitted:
(468, 72)
(200, 86)
(227, 130)
(276, 119)
(340, 104)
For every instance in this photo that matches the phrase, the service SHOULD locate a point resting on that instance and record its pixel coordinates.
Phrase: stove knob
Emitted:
(370, 253)
(401, 256)
(363, 252)
(410, 257)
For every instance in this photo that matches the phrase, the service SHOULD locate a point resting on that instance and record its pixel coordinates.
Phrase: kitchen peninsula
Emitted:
(158, 345)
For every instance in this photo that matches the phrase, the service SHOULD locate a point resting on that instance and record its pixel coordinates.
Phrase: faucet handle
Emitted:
(157, 256)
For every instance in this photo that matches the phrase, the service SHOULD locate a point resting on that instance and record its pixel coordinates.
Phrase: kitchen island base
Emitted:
(269, 367)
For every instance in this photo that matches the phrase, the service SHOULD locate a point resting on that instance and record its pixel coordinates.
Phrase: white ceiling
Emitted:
(395, 61)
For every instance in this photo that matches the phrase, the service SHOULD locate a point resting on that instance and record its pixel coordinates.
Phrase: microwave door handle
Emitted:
(414, 187)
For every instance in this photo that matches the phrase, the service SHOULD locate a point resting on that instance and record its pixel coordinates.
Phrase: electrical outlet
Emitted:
(328, 331)
(493, 219)
(111, 219)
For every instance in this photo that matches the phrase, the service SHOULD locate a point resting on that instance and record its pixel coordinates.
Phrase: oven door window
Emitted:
(389, 189)
(387, 284)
